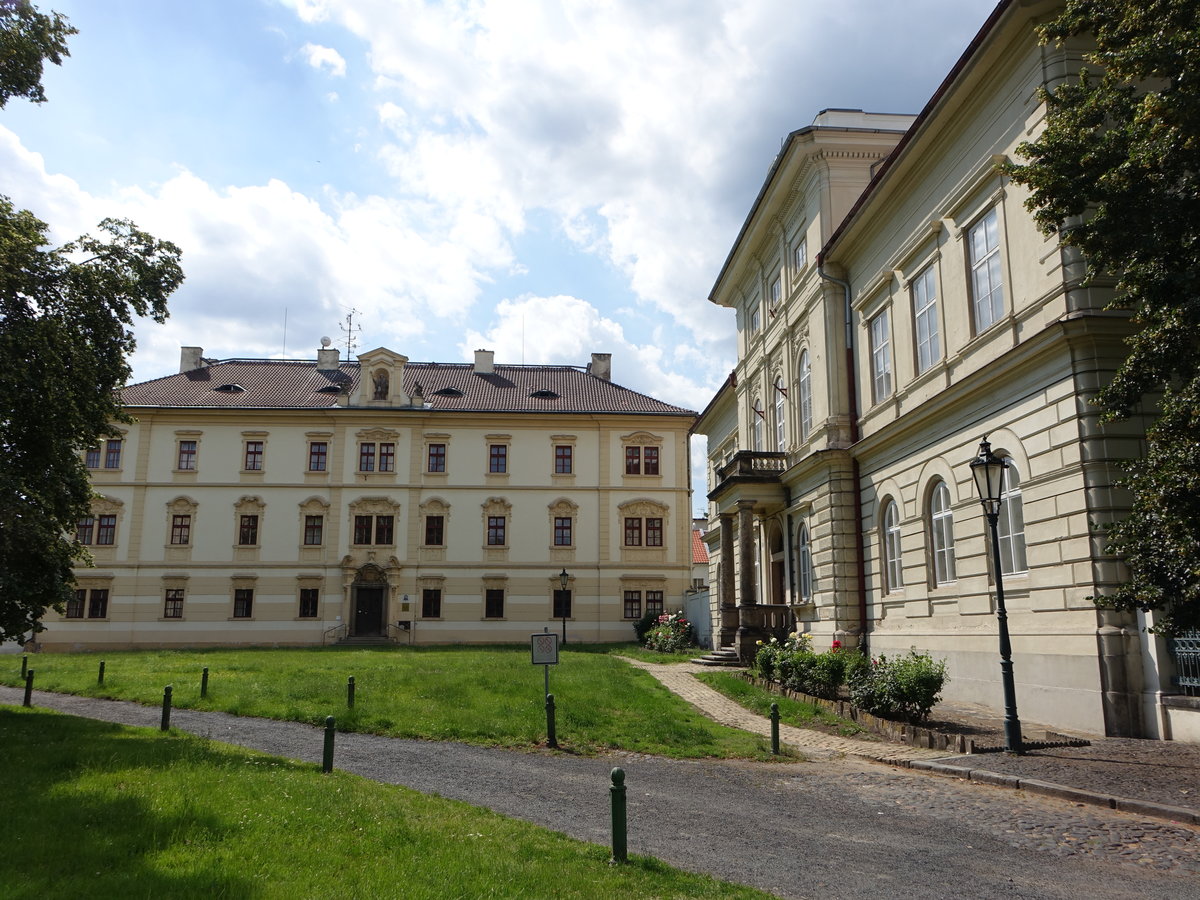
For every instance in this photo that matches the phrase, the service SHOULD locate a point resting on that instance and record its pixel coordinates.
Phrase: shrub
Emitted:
(643, 625)
(904, 688)
(670, 633)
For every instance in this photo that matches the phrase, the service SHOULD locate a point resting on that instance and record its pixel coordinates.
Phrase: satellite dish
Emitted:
(325, 342)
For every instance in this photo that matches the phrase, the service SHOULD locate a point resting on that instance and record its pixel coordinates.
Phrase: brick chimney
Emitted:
(190, 358)
(601, 366)
(485, 362)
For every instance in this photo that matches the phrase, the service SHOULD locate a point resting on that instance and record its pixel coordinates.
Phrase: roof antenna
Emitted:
(351, 331)
(285, 332)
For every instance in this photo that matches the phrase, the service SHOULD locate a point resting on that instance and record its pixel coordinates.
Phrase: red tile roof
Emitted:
(699, 551)
(284, 384)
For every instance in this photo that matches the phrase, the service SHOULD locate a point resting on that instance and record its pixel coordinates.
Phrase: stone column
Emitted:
(750, 629)
(726, 593)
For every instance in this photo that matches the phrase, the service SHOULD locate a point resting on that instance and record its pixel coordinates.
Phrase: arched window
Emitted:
(805, 396)
(941, 527)
(892, 568)
(805, 565)
(1011, 527)
(756, 424)
(780, 416)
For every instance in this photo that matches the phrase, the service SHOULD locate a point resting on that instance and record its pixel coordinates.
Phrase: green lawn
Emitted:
(480, 695)
(791, 712)
(98, 810)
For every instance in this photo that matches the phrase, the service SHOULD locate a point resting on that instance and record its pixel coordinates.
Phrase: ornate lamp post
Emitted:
(989, 470)
(563, 579)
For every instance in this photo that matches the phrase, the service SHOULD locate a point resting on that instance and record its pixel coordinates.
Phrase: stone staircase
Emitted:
(725, 657)
(364, 641)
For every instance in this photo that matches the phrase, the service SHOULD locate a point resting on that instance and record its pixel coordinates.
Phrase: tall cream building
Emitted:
(276, 502)
(895, 304)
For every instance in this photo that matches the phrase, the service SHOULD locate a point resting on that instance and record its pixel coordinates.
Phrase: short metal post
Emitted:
(204, 682)
(327, 759)
(24, 666)
(551, 738)
(619, 830)
(350, 692)
(100, 674)
(775, 728)
(166, 714)
(28, 688)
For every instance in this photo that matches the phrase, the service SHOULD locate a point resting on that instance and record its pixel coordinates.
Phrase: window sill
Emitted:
(171, 619)
(240, 619)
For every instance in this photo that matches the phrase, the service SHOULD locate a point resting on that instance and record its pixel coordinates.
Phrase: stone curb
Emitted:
(1173, 814)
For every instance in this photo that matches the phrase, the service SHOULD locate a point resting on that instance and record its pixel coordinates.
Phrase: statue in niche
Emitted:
(380, 381)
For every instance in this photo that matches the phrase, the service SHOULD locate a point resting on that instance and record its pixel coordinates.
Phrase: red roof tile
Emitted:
(699, 551)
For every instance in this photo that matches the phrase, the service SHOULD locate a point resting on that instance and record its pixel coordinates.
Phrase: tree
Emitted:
(27, 39)
(65, 332)
(1116, 174)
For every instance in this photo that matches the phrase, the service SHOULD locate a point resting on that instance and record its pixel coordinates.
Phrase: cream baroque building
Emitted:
(895, 304)
(275, 502)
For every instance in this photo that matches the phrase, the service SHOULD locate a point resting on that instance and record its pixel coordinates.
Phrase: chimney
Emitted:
(484, 362)
(190, 358)
(601, 366)
(327, 356)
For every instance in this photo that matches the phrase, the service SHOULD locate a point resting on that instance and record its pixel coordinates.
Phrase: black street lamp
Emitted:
(989, 470)
(563, 579)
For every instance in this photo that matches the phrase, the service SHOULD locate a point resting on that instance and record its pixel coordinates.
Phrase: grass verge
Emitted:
(480, 695)
(111, 811)
(791, 712)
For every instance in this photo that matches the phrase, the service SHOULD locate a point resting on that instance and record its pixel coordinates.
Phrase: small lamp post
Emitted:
(563, 579)
(988, 470)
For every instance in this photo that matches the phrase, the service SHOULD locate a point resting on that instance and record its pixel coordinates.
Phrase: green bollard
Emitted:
(28, 688)
(775, 728)
(166, 715)
(100, 674)
(619, 831)
(327, 760)
(551, 737)
(350, 692)
(204, 683)
(24, 666)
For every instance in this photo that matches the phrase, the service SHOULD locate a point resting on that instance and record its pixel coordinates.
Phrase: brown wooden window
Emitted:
(75, 604)
(318, 456)
(493, 603)
(173, 604)
(562, 604)
(431, 603)
(85, 529)
(563, 462)
(106, 530)
(654, 532)
(649, 460)
(633, 604)
(243, 603)
(248, 531)
(98, 603)
(112, 454)
(91, 457)
(496, 531)
(366, 457)
(654, 602)
(498, 458)
(435, 531)
(562, 531)
(314, 530)
(437, 458)
(633, 532)
(187, 456)
(374, 529)
(181, 529)
(254, 456)
(633, 460)
(309, 602)
(387, 457)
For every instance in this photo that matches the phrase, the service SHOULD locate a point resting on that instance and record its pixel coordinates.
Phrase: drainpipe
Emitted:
(852, 397)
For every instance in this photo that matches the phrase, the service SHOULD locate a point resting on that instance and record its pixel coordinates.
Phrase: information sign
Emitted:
(544, 649)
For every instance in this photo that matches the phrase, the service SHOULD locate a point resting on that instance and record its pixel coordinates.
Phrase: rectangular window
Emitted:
(881, 357)
(633, 460)
(181, 530)
(173, 604)
(496, 531)
(314, 530)
(649, 460)
(318, 456)
(374, 529)
(75, 605)
(562, 604)
(654, 602)
(84, 529)
(254, 456)
(91, 457)
(633, 532)
(800, 256)
(385, 529)
(776, 292)
(493, 604)
(309, 602)
(562, 459)
(562, 531)
(924, 299)
(987, 287)
(187, 456)
(98, 603)
(366, 457)
(248, 531)
(654, 532)
(243, 603)
(437, 458)
(431, 603)
(106, 530)
(755, 321)
(363, 529)
(435, 531)
(387, 457)
(498, 458)
(633, 604)
(112, 455)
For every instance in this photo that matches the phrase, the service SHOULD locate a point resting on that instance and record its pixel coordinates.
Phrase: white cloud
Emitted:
(324, 58)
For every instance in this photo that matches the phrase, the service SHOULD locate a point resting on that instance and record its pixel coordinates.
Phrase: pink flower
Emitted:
(837, 645)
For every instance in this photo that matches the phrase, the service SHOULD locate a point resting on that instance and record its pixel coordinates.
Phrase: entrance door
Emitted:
(368, 611)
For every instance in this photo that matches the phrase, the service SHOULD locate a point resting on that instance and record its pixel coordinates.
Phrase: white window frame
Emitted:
(925, 320)
(805, 396)
(780, 416)
(881, 357)
(941, 528)
(1013, 560)
(756, 425)
(806, 582)
(892, 552)
(800, 256)
(987, 281)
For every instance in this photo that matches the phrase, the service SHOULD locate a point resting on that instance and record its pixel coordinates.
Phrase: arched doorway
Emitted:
(775, 543)
(369, 600)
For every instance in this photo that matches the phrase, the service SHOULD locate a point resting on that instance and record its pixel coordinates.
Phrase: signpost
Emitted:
(543, 649)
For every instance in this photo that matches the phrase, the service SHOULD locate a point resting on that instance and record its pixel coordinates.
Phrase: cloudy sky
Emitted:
(544, 179)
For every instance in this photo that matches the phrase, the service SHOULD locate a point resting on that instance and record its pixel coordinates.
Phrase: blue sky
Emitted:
(542, 179)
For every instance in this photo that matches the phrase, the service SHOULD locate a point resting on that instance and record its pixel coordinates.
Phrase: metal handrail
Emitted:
(394, 630)
(337, 632)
